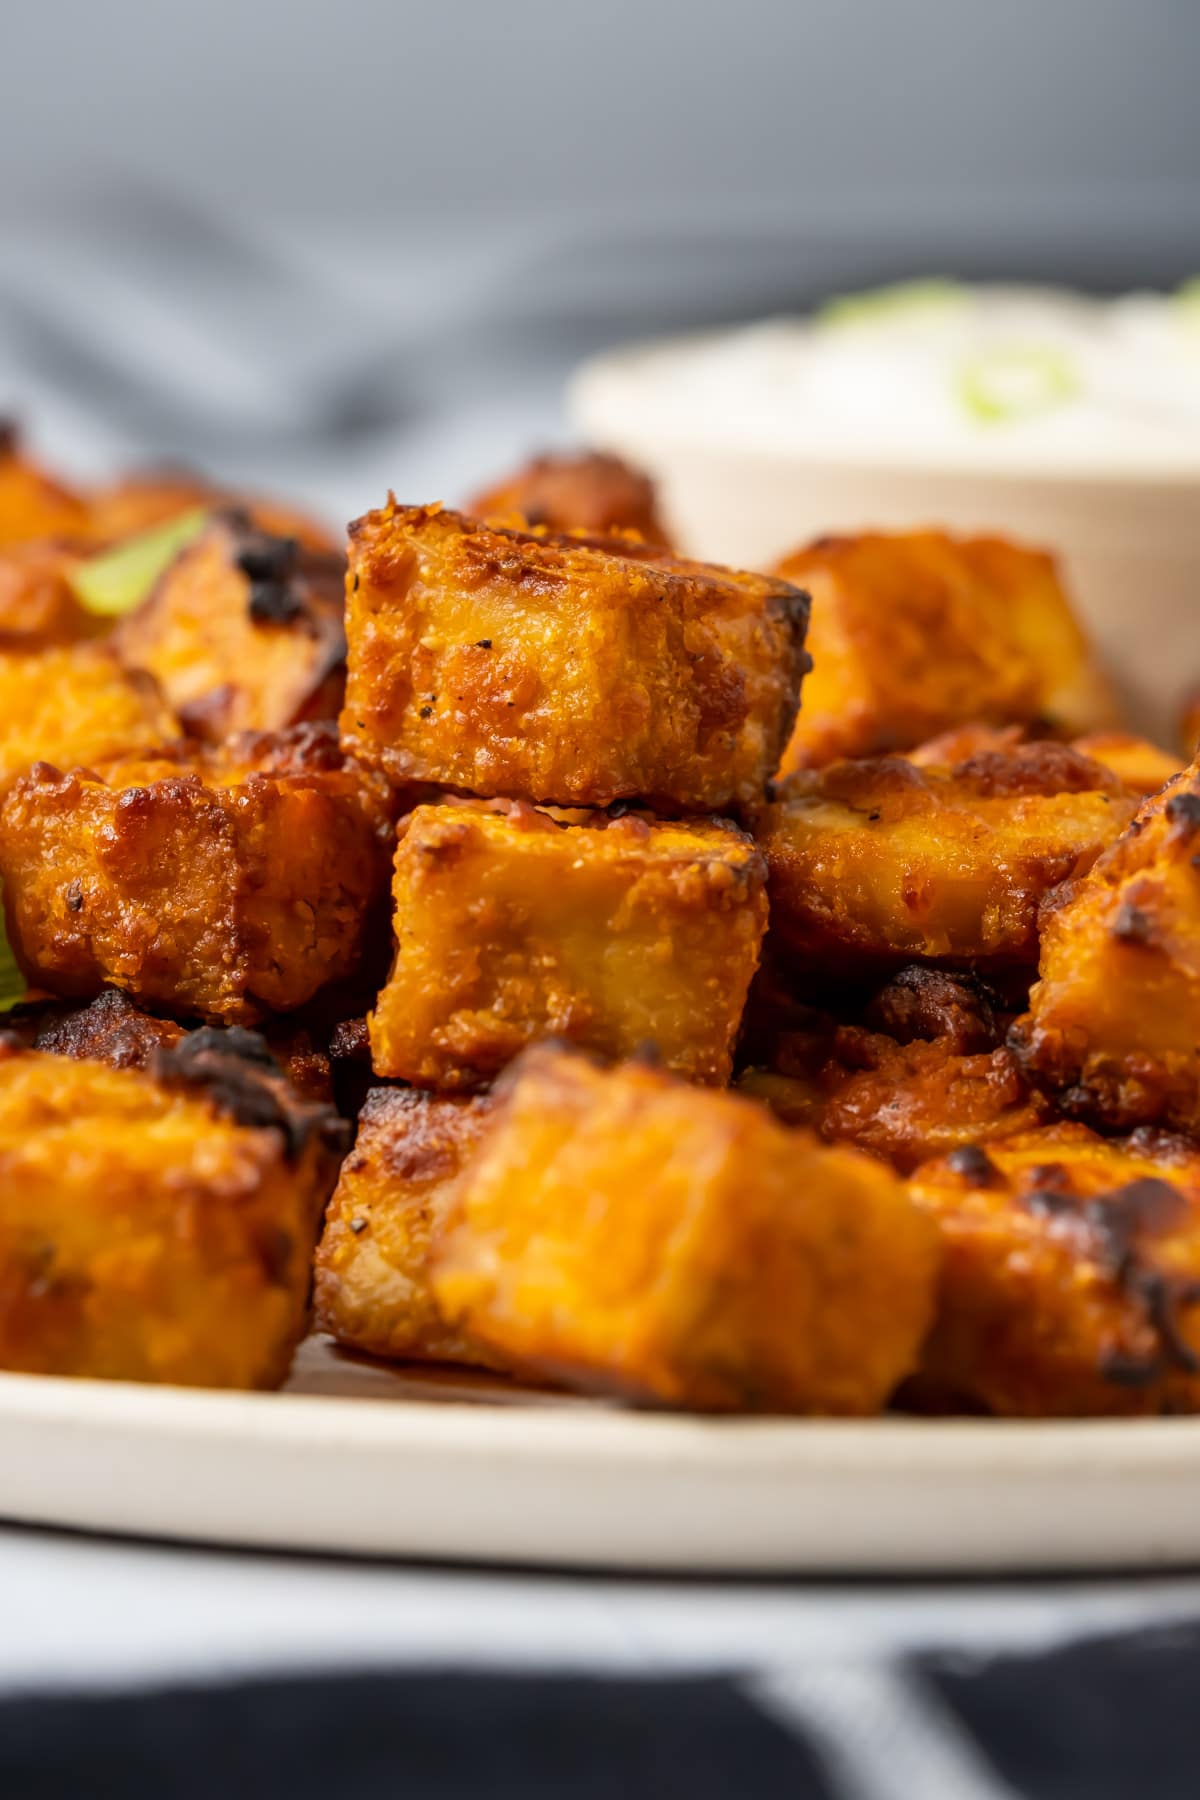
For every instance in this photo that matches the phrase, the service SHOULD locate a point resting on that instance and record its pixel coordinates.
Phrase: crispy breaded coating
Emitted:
(243, 632)
(373, 1280)
(879, 862)
(140, 502)
(613, 933)
(75, 705)
(1114, 1021)
(156, 1227)
(224, 881)
(1071, 1275)
(32, 503)
(914, 633)
(624, 1232)
(38, 606)
(553, 669)
(581, 490)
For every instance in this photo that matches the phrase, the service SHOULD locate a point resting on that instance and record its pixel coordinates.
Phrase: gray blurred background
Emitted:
(342, 245)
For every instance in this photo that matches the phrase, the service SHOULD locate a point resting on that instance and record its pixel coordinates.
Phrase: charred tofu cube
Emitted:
(156, 1227)
(562, 670)
(224, 881)
(243, 632)
(915, 633)
(75, 705)
(111, 1029)
(614, 933)
(1114, 1021)
(625, 1232)
(32, 503)
(926, 1073)
(374, 1289)
(577, 491)
(1070, 1276)
(880, 862)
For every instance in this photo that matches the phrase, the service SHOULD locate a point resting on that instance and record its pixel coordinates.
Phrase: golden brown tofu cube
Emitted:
(1114, 1021)
(583, 490)
(1071, 1275)
(223, 881)
(879, 861)
(75, 705)
(1140, 766)
(243, 632)
(156, 1227)
(611, 932)
(553, 669)
(32, 503)
(139, 503)
(374, 1288)
(914, 633)
(38, 605)
(624, 1232)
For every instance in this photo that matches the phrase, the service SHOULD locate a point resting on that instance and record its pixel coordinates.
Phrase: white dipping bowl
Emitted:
(1127, 532)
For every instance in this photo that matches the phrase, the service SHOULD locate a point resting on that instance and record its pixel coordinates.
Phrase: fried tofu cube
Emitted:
(111, 1029)
(156, 1227)
(139, 503)
(243, 632)
(1070, 1277)
(624, 1232)
(613, 933)
(554, 669)
(374, 1289)
(38, 605)
(75, 705)
(908, 1103)
(222, 881)
(914, 633)
(585, 490)
(32, 503)
(879, 862)
(943, 1079)
(1114, 1020)
(1140, 766)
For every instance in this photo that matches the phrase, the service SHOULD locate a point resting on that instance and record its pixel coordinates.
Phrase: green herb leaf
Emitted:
(118, 580)
(901, 300)
(1186, 300)
(12, 982)
(1015, 381)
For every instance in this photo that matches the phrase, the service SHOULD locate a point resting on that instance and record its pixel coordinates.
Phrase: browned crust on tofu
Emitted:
(564, 670)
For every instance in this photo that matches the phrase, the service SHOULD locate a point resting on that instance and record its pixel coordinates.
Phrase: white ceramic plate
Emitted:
(364, 1460)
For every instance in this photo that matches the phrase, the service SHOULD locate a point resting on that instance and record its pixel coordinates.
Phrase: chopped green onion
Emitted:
(901, 300)
(1015, 382)
(12, 982)
(1186, 299)
(118, 580)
